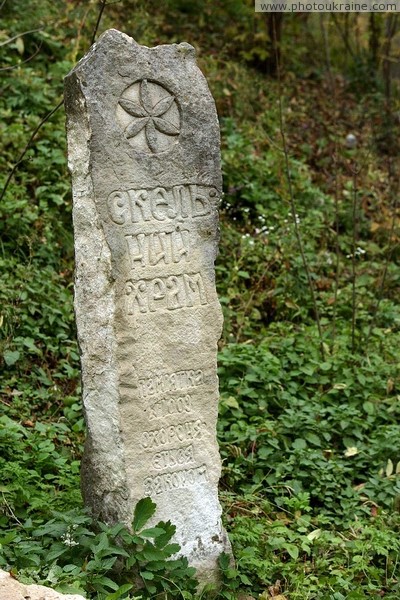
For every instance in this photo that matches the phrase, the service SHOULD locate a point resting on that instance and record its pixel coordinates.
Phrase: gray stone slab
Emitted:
(143, 150)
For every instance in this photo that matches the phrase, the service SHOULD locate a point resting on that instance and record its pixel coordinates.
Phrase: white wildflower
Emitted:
(68, 540)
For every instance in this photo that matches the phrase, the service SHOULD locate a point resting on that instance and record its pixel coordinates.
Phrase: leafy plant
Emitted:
(74, 553)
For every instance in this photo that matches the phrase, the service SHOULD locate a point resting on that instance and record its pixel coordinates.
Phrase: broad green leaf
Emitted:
(175, 565)
(244, 579)
(120, 592)
(230, 401)
(293, 551)
(224, 561)
(313, 535)
(156, 565)
(369, 407)
(9, 537)
(30, 344)
(152, 532)
(171, 549)
(307, 370)
(361, 378)
(313, 439)
(114, 531)
(115, 550)
(144, 510)
(169, 529)
(51, 528)
(106, 582)
(299, 444)
(152, 553)
(131, 561)
(325, 366)
(11, 357)
(128, 538)
(71, 569)
(102, 543)
(56, 551)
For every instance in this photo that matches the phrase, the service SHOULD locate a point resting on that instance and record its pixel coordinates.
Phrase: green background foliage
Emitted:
(309, 416)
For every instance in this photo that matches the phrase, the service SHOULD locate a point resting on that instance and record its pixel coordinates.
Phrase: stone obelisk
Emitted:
(143, 150)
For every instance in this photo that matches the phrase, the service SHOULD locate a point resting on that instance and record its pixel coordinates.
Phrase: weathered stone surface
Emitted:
(143, 147)
(11, 589)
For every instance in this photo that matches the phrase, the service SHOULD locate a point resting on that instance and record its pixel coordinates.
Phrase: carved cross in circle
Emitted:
(155, 114)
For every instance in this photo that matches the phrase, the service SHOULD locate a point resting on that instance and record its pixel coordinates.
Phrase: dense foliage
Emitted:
(309, 281)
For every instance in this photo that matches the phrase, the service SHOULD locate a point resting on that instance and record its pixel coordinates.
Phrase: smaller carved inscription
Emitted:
(160, 383)
(165, 293)
(172, 481)
(171, 406)
(176, 457)
(160, 204)
(184, 432)
(161, 247)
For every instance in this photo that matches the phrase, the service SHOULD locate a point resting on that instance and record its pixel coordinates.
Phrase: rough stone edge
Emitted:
(20, 591)
(90, 240)
(183, 47)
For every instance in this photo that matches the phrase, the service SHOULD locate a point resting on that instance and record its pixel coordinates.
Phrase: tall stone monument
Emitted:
(143, 149)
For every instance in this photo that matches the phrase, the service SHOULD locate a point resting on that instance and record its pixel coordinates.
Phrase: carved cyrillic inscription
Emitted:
(165, 293)
(160, 383)
(171, 406)
(165, 247)
(183, 432)
(176, 457)
(160, 204)
(170, 481)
